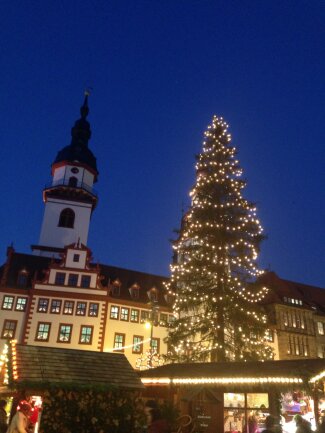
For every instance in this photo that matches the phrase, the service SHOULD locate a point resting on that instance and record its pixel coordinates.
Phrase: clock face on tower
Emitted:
(75, 170)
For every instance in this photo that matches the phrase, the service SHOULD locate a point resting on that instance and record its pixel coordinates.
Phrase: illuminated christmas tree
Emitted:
(217, 311)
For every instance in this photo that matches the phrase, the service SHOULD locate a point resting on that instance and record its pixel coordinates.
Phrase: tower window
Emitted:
(73, 181)
(67, 218)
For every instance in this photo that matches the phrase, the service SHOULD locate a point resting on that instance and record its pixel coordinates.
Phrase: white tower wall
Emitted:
(54, 236)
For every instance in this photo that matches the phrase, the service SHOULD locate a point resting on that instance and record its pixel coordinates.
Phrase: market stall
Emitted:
(237, 397)
(71, 390)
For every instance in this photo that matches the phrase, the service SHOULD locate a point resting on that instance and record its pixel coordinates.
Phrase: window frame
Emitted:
(64, 308)
(67, 218)
(120, 334)
(70, 335)
(118, 312)
(127, 311)
(89, 308)
(91, 327)
(158, 344)
(82, 279)
(4, 301)
(84, 309)
(58, 275)
(6, 321)
(72, 277)
(25, 305)
(39, 310)
(134, 345)
(138, 315)
(48, 334)
(60, 306)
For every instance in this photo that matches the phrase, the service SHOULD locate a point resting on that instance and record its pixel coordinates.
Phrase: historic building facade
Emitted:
(58, 297)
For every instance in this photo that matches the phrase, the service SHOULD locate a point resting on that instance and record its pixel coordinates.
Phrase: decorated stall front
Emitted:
(71, 391)
(236, 397)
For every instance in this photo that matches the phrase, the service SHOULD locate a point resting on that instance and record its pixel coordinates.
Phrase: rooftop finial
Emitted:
(84, 110)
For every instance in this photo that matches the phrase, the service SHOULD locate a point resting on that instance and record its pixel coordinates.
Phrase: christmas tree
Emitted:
(217, 312)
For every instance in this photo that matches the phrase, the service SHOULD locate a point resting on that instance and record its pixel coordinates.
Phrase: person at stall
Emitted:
(3, 416)
(20, 421)
(156, 423)
(272, 425)
(303, 426)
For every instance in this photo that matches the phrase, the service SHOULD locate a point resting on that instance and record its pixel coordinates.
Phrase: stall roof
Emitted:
(38, 366)
(276, 372)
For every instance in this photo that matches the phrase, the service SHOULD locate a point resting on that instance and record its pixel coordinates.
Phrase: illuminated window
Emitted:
(119, 342)
(56, 306)
(145, 315)
(60, 278)
(21, 304)
(68, 307)
(43, 304)
(134, 315)
(114, 312)
(163, 319)
(320, 328)
(9, 329)
(125, 314)
(137, 344)
(81, 309)
(93, 309)
(270, 335)
(65, 331)
(86, 334)
(73, 280)
(8, 302)
(67, 217)
(43, 331)
(85, 281)
(155, 343)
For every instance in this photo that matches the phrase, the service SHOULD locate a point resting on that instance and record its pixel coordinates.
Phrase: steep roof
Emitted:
(311, 296)
(38, 366)
(36, 266)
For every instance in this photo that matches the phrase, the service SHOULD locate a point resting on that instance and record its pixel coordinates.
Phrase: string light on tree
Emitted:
(217, 311)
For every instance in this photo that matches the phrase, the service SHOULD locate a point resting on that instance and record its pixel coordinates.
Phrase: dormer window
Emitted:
(22, 279)
(153, 295)
(116, 288)
(67, 217)
(134, 291)
(169, 298)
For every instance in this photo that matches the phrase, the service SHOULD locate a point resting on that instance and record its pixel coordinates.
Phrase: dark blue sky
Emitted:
(160, 70)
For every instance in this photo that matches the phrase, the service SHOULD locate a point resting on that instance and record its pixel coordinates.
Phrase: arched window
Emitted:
(67, 218)
(73, 181)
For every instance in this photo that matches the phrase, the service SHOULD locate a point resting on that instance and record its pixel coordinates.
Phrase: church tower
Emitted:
(70, 198)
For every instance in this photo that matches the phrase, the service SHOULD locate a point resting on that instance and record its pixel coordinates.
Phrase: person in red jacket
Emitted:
(156, 423)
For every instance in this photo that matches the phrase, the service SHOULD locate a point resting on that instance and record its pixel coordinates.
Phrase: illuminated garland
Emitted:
(216, 268)
(150, 359)
(4, 364)
(220, 380)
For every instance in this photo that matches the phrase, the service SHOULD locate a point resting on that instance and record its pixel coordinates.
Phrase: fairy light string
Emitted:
(216, 309)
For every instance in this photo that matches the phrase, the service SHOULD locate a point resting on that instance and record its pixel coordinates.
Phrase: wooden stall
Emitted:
(229, 397)
(72, 390)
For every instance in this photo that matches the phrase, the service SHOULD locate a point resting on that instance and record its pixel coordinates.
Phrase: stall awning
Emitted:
(39, 366)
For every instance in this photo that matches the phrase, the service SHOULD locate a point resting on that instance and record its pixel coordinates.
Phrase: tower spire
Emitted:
(81, 132)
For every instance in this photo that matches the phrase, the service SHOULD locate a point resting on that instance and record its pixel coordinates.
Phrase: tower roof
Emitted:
(77, 150)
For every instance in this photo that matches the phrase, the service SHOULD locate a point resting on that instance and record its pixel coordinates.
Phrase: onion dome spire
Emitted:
(81, 132)
(78, 149)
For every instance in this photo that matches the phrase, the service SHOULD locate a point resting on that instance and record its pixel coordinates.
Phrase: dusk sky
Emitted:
(159, 71)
